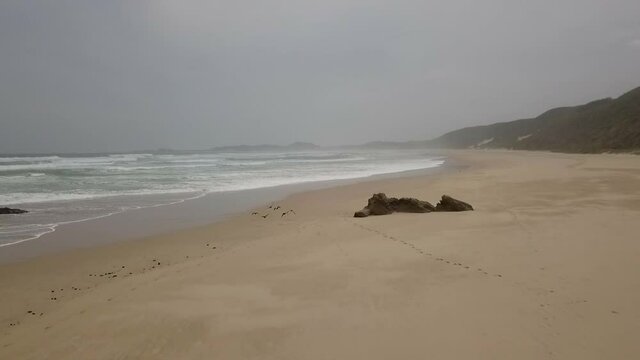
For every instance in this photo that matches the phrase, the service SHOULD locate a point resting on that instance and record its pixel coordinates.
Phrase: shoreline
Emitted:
(545, 267)
(154, 220)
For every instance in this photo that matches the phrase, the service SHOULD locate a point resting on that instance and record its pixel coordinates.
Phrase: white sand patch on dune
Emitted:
(484, 142)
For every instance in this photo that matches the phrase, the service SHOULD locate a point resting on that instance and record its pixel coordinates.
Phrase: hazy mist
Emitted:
(91, 76)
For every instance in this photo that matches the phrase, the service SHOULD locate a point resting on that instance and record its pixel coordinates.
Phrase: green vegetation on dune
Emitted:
(607, 125)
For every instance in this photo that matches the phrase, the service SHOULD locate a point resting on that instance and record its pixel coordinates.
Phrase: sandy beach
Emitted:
(546, 267)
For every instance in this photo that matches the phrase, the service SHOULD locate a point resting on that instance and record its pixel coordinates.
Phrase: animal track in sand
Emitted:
(419, 250)
(115, 273)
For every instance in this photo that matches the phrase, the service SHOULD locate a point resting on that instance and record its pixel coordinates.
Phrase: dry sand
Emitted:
(547, 267)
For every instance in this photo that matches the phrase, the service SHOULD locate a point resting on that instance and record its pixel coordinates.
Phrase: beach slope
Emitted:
(546, 267)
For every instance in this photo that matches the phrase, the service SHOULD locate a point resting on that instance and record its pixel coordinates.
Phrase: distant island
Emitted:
(297, 146)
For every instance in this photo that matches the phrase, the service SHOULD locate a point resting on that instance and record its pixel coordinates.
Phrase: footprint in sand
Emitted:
(418, 250)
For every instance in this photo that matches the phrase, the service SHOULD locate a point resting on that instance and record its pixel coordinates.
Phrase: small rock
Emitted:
(10, 211)
(362, 213)
(447, 203)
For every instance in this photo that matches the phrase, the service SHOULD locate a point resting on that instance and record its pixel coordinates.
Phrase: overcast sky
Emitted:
(83, 76)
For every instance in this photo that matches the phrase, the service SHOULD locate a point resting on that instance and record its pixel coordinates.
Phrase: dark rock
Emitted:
(411, 205)
(380, 204)
(6, 210)
(447, 203)
(362, 213)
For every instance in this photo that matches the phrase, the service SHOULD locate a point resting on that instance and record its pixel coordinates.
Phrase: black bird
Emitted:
(265, 216)
(276, 208)
(254, 213)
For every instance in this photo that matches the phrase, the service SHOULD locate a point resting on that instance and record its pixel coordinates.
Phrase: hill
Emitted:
(607, 125)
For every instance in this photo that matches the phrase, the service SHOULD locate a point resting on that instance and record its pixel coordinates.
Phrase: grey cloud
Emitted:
(125, 75)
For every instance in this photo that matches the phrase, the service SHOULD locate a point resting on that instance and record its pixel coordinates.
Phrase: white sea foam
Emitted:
(36, 231)
(31, 198)
(52, 187)
(27, 158)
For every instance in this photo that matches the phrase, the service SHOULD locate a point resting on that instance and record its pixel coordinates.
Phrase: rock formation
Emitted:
(6, 210)
(447, 203)
(380, 204)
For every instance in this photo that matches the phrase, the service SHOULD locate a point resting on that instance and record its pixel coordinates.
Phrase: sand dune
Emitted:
(546, 267)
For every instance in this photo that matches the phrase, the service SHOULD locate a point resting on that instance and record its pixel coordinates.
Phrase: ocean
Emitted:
(59, 190)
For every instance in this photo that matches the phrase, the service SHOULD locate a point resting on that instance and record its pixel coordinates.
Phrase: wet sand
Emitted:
(157, 220)
(545, 268)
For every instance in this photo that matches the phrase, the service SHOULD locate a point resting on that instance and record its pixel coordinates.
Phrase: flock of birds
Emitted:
(274, 208)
